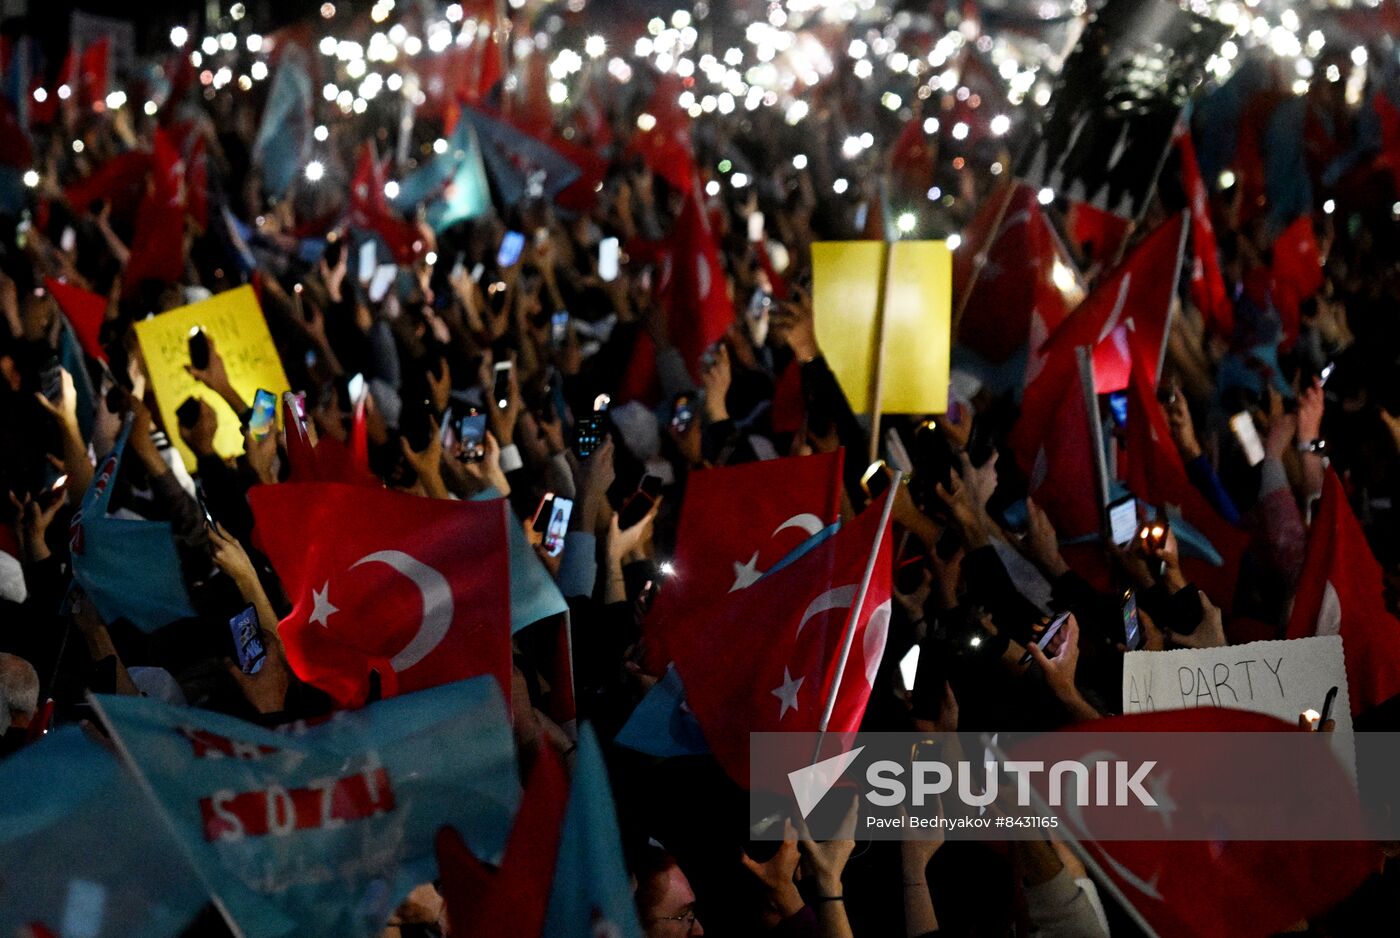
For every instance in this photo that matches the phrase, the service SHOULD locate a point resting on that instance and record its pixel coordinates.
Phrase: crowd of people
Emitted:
(976, 557)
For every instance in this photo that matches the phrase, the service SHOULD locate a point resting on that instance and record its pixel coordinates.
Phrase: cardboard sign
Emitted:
(235, 323)
(917, 321)
(1280, 678)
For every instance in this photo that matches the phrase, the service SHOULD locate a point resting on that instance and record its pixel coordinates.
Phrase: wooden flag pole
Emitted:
(877, 365)
(848, 637)
(980, 260)
(1085, 355)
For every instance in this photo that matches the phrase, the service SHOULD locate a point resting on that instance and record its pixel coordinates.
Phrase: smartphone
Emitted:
(682, 413)
(383, 279)
(51, 381)
(1118, 407)
(876, 481)
(542, 513)
(1322, 376)
(639, 502)
(356, 387)
(608, 255)
(756, 227)
(559, 328)
(1327, 707)
(1132, 628)
(477, 270)
(1045, 637)
(188, 413)
(500, 384)
(588, 435)
(909, 664)
(204, 505)
(1248, 436)
(297, 401)
(511, 246)
(247, 640)
(1122, 520)
(368, 262)
(264, 410)
(600, 403)
(470, 431)
(559, 513)
(199, 349)
(68, 240)
(930, 679)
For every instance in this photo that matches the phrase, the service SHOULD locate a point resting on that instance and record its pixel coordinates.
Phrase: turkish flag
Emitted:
(1341, 592)
(513, 898)
(1297, 269)
(1154, 472)
(416, 589)
(1101, 232)
(94, 71)
(664, 142)
(1207, 284)
(1062, 474)
(86, 311)
(1224, 888)
(736, 523)
(121, 181)
(765, 658)
(158, 242)
(370, 210)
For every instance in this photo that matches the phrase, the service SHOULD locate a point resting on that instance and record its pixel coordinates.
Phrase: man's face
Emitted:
(673, 913)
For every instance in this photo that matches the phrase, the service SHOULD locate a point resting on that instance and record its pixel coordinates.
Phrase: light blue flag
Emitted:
(322, 831)
(283, 144)
(591, 894)
(517, 162)
(70, 356)
(453, 184)
(533, 593)
(129, 568)
(661, 725)
(81, 851)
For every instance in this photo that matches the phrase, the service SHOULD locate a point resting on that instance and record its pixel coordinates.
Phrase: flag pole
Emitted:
(1085, 356)
(848, 638)
(877, 365)
(980, 260)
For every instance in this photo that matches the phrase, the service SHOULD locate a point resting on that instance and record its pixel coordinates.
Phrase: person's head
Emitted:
(664, 897)
(19, 690)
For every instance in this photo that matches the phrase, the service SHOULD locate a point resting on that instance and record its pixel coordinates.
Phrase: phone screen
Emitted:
(1118, 406)
(1044, 638)
(640, 502)
(607, 259)
(500, 384)
(356, 387)
(876, 480)
(264, 409)
(511, 246)
(367, 262)
(542, 511)
(1122, 520)
(909, 666)
(199, 349)
(559, 328)
(465, 436)
(52, 381)
(383, 279)
(682, 413)
(247, 640)
(588, 435)
(1132, 628)
(756, 226)
(559, 513)
(1248, 435)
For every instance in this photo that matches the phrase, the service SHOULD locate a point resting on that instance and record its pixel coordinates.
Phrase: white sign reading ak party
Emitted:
(1280, 678)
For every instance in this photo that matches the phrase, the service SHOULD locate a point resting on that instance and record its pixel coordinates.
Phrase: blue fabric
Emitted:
(1202, 475)
(1287, 183)
(82, 852)
(70, 356)
(661, 725)
(578, 567)
(255, 811)
(452, 184)
(283, 144)
(533, 593)
(513, 159)
(591, 894)
(128, 568)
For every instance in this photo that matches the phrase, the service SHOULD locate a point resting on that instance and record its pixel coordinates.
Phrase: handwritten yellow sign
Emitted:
(235, 323)
(918, 317)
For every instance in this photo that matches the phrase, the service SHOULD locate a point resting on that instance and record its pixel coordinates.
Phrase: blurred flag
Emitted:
(1097, 233)
(197, 182)
(1341, 592)
(1062, 475)
(84, 310)
(662, 137)
(158, 242)
(764, 658)
(283, 144)
(482, 901)
(519, 165)
(129, 568)
(1208, 291)
(324, 830)
(1297, 269)
(370, 209)
(591, 894)
(94, 72)
(414, 588)
(452, 184)
(81, 851)
(70, 356)
(120, 181)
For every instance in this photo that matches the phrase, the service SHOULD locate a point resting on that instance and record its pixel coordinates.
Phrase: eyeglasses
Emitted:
(688, 918)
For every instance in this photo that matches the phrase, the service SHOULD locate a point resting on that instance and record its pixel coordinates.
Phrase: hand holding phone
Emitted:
(247, 640)
(264, 410)
(1043, 640)
(639, 502)
(511, 246)
(199, 349)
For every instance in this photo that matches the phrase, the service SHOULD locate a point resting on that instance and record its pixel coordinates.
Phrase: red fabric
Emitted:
(1208, 291)
(86, 311)
(15, 149)
(1228, 888)
(666, 147)
(1154, 472)
(301, 455)
(416, 589)
(1297, 270)
(158, 243)
(512, 899)
(93, 71)
(1249, 150)
(1341, 592)
(911, 160)
(121, 181)
(1104, 232)
(762, 659)
(789, 406)
(197, 184)
(1389, 117)
(370, 209)
(1061, 472)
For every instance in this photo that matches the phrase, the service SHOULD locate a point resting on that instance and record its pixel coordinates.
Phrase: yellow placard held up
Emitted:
(235, 323)
(912, 355)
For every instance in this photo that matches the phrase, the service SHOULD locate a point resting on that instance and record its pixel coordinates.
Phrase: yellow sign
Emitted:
(234, 321)
(917, 321)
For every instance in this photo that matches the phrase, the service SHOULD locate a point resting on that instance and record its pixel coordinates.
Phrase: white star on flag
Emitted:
(321, 605)
(787, 693)
(746, 574)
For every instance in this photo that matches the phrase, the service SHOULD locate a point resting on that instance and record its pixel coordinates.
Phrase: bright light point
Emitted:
(321, 133)
(799, 161)
(31, 178)
(1358, 56)
(237, 11)
(1227, 179)
(646, 122)
(391, 189)
(1045, 196)
(891, 100)
(64, 92)
(906, 222)
(867, 140)
(934, 194)
(254, 42)
(712, 188)
(667, 568)
(595, 46)
(431, 257)
(179, 36)
(839, 186)
(78, 146)
(863, 68)
(439, 145)
(930, 125)
(116, 99)
(975, 641)
(960, 131)
(327, 10)
(1000, 124)
(739, 180)
(850, 147)
(151, 108)
(1329, 206)
(314, 171)
(210, 45)
(258, 71)
(228, 42)
(680, 19)
(40, 95)
(954, 241)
